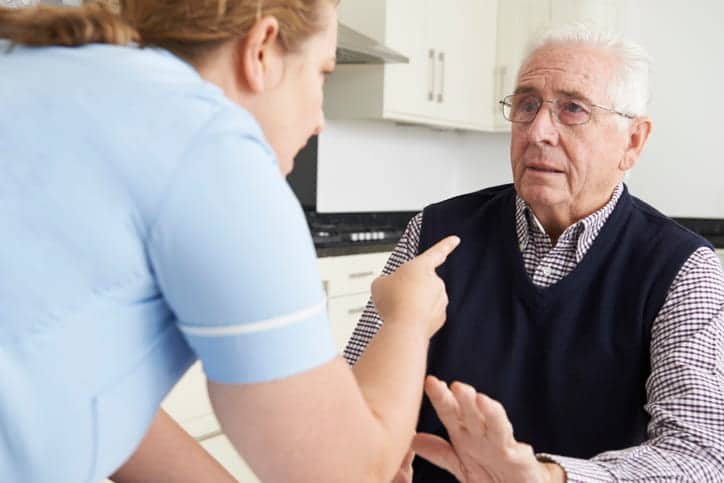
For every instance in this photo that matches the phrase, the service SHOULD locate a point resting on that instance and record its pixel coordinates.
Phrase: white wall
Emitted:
(682, 169)
(379, 166)
(371, 166)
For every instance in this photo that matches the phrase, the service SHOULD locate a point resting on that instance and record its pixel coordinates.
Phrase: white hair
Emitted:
(629, 92)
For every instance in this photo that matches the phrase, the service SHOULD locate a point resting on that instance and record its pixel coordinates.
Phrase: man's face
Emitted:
(572, 169)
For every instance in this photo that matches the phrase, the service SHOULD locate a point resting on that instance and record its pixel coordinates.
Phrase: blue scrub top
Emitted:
(143, 223)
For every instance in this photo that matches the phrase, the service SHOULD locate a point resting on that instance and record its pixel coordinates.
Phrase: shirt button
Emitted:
(546, 270)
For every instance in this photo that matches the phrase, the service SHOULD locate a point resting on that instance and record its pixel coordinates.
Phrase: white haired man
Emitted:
(579, 316)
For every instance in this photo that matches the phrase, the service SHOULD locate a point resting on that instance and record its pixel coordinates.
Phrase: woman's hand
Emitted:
(482, 448)
(414, 292)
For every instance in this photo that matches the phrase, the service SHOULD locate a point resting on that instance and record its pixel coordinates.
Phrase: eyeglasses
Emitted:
(523, 108)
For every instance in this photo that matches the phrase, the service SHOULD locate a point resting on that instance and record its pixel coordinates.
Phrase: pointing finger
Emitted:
(438, 253)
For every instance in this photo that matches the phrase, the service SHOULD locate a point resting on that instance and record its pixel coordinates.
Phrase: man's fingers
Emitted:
(404, 475)
(499, 428)
(438, 253)
(472, 417)
(408, 458)
(438, 452)
(444, 402)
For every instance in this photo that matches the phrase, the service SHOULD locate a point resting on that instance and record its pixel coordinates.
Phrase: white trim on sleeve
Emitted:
(259, 326)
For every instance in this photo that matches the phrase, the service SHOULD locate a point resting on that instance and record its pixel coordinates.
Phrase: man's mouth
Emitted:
(542, 168)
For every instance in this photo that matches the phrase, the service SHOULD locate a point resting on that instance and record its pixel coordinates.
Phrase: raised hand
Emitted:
(482, 448)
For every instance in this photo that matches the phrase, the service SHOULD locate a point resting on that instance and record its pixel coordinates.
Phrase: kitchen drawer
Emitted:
(344, 312)
(351, 273)
(188, 403)
(221, 449)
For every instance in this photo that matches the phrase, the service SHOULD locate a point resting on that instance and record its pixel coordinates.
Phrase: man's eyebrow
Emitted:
(574, 94)
(525, 90)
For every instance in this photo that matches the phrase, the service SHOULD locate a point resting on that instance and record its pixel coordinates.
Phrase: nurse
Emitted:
(146, 222)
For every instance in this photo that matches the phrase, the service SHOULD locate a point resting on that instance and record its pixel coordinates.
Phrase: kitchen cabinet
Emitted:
(449, 80)
(520, 22)
(347, 281)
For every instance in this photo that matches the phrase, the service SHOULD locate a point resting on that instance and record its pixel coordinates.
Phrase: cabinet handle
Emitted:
(361, 274)
(431, 61)
(441, 94)
(358, 310)
(502, 72)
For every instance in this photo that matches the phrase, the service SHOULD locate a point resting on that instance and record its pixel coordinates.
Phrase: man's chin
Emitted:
(541, 195)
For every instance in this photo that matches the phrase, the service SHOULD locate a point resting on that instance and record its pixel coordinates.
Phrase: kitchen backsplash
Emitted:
(367, 166)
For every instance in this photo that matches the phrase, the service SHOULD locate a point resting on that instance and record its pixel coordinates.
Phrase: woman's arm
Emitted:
(169, 454)
(325, 425)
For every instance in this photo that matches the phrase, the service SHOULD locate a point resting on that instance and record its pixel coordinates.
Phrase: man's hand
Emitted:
(481, 448)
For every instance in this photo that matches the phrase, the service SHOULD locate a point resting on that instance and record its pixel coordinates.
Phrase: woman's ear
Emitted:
(637, 136)
(260, 56)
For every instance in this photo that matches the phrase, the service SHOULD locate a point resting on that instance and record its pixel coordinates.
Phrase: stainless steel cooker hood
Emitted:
(356, 48)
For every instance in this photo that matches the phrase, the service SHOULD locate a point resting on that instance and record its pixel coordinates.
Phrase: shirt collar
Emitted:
(584, 231)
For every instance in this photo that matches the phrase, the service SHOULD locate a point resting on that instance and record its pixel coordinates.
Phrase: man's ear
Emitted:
(260, 56)
(638, 134)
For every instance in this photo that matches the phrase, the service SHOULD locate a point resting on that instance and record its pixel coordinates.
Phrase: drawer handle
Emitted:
(358, 310)
(431, 91)
(361, 274)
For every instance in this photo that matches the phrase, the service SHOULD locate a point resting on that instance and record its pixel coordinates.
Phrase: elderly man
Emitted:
(592, 324)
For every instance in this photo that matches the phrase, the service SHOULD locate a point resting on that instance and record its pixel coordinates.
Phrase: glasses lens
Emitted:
(523, 107)
(573, 111)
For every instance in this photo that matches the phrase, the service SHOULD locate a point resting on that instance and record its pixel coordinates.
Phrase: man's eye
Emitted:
(528, 106)
(574, 107)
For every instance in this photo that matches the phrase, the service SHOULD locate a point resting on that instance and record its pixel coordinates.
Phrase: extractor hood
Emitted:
(356, 48)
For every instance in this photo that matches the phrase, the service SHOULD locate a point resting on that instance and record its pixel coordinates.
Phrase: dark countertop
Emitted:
(357, 249)
(712, 229)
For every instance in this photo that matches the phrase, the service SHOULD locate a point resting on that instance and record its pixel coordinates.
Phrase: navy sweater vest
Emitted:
(569, 362)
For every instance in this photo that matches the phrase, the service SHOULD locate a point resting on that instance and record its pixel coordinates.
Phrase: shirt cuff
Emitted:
(578, 470)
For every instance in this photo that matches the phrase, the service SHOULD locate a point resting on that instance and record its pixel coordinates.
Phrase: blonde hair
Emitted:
(189, 28)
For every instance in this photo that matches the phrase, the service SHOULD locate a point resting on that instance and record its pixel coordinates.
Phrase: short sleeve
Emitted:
(232, 254)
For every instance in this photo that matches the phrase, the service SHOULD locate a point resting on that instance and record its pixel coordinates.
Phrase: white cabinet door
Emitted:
(344, 313)
(348, 274)
(410, 89)
(347, 281)
(221, 449)
(465, 33)
(449, 79)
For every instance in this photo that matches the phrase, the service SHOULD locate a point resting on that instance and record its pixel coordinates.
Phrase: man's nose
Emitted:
(543, 128)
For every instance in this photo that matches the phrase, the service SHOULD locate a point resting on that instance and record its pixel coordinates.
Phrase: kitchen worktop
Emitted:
(338, 251)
